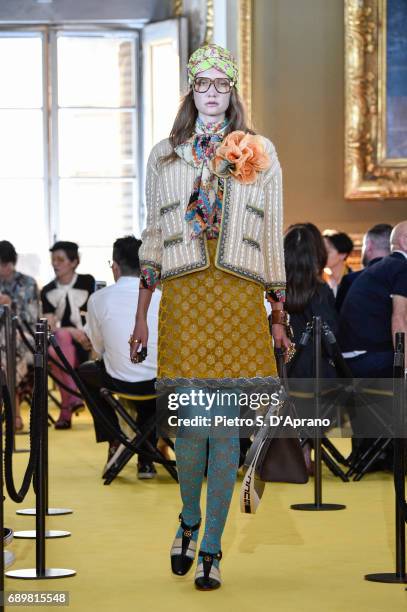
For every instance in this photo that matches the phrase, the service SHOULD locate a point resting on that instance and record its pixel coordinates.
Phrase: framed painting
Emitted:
(375, 99)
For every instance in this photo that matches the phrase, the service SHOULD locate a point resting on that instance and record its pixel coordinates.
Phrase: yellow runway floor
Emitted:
(278, 560)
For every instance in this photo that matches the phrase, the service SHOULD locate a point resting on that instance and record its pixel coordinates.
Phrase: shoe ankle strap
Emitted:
(210, 556)
(189, 527)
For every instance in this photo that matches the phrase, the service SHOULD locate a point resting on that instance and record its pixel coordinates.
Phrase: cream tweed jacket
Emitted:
(250, 243)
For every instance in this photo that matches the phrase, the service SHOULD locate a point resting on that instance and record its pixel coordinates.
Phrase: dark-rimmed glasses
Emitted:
(222, 86)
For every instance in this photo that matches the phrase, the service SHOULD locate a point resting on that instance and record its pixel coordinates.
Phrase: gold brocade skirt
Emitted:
(213, 325)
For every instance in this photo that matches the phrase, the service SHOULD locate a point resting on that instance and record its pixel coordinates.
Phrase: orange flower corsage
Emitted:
(242, 156)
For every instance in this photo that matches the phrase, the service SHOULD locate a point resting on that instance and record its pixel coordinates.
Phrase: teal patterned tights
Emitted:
(223, 463)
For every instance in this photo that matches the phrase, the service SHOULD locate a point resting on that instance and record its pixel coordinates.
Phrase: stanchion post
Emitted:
(317, 340)
(1, 497)
(317, 505)
(13, 359)
(41, 571)
(40, 357)
(10, 361)
(399, 466)
(399, 459)
(42, 327)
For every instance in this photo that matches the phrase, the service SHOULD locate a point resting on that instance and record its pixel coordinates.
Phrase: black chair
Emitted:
(378, 405)
(140, 440)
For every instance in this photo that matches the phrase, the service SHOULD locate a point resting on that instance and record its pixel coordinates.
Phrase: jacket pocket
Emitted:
(167, 208)
(255, 210)
(253, 221)
(173, 240)
(251, 242)
(171, 220)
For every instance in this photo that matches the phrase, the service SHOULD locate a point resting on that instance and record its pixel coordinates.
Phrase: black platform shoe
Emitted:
(184, 549)
(207, 575)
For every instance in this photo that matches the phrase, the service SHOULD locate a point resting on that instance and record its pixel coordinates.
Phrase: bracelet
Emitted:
(133, 340)
(279, 317)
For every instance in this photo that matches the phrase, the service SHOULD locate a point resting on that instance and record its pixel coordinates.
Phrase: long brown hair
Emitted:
(319, 244)
(184, 123)
(302, 267)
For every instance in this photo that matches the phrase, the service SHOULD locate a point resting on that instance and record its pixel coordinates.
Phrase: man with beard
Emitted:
(374, 309)
(376, 244)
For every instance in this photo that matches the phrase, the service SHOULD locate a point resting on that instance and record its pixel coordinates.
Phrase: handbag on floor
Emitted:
(271, 457)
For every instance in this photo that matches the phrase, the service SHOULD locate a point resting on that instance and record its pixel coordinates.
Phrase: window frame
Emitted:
(49, 35)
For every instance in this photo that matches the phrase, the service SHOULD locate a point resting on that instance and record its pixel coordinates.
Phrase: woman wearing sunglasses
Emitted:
(214, 241)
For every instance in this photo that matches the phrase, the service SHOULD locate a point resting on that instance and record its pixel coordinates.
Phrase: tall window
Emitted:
(74, 137)
(68, 151)
(23, 209)
(96, 142)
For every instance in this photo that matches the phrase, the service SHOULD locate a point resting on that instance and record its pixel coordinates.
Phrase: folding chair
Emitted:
(361, 460)
(331, 456)
(301, 391)
(140, 441)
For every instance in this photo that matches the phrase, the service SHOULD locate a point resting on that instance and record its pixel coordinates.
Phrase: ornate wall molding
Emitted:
(210, 16)
(177, 8)
(200, 20)
(367, 176)
(245, 54)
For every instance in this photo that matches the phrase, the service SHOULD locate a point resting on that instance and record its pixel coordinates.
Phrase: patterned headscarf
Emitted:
(212, 56)
(205, 204)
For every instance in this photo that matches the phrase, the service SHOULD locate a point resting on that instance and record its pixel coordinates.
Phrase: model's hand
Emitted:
(281, 339)
(138, 340)
(5, 300)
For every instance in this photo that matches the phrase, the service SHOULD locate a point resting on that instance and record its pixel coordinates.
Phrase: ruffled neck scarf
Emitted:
(205, 204)
(76, 297)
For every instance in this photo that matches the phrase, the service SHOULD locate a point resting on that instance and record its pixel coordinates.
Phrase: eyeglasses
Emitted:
(222, 86)
(110, 263)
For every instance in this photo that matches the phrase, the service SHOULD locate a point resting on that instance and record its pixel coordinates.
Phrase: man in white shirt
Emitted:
(110, 321)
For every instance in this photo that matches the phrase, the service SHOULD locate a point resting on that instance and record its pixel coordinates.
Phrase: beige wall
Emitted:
(298, 93)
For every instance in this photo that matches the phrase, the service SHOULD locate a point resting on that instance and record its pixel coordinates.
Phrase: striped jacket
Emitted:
(250, 243)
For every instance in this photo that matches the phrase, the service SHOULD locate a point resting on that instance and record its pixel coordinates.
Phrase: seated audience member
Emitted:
(307, 296)
(338, 246)
(63, 301)
(20, 292)
(374, 308)
(109, 325)
(376, 244)
(319, 245)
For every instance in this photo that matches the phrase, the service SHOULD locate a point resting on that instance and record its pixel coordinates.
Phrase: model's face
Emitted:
(334, 257)
(62, 265)
(211, 103)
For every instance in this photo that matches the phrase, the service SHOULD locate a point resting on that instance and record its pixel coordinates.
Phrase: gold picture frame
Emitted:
(369, 173)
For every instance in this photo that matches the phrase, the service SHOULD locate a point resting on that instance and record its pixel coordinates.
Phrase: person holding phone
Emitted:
(213, 240)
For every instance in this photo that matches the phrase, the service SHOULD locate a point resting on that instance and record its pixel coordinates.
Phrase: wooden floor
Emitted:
(278, 560)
